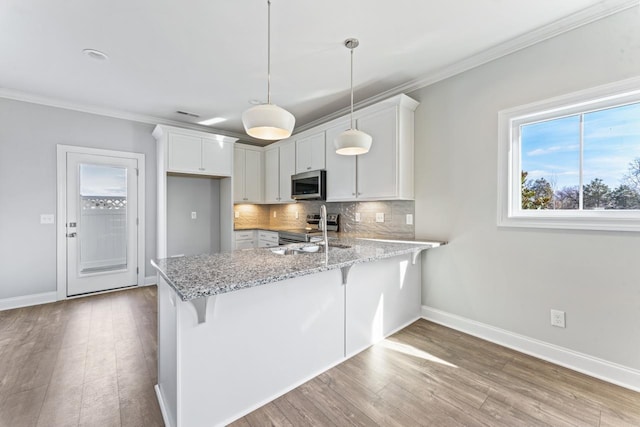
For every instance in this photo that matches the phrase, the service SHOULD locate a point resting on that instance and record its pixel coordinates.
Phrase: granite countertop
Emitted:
(213, 274)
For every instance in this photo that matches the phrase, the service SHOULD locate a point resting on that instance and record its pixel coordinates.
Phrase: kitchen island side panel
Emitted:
(381, 298)
(167, 388)
(255, 345)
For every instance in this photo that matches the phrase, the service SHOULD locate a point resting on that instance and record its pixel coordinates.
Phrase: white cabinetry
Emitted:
(267, 239)
(247, 175)
(386, 171)
(201, 155)
(185, 152)
(245, 239)
(280, 163)
(310, 153)
(341, 170)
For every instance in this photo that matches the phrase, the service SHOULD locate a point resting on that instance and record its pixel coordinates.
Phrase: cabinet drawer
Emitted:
(268, 236)
(266, 244)
(244, 235)
(245, 244)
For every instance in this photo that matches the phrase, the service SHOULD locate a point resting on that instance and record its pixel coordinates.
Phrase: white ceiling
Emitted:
(209, 57)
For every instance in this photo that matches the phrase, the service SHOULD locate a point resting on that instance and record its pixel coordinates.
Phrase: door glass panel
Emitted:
(102, 223)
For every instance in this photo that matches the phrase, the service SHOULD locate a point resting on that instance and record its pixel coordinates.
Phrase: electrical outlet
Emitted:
(380, 217)
(275, 214)
(237, 214)
(357, 216)
(194, 215)
(409, 219)
(558, 318)
(47, 219)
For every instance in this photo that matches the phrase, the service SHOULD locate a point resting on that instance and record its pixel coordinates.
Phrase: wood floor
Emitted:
(83, 362)
(92, 362)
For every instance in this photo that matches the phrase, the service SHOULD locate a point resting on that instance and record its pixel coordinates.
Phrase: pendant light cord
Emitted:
(352, 88)
(268, 51)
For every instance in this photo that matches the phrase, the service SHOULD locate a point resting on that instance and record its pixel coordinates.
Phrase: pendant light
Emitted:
(268, 121)
(352, 142)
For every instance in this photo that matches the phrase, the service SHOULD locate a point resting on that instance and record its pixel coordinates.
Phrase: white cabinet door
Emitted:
(310, 153)
(377, 174)
(341, 170)
(253, 176)
(287, 168)
(185, 153)
(272, 175)
(216, 157)
(238, 175)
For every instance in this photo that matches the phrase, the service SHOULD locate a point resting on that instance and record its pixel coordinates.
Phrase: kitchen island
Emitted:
(238, 329)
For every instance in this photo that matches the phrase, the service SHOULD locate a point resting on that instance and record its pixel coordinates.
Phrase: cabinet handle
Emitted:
(201, 169)
(353, 194)
(359, 194)
(245, 199)
(308, 167)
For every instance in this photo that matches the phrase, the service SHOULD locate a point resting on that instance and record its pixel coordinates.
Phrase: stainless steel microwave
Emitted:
(309, 185)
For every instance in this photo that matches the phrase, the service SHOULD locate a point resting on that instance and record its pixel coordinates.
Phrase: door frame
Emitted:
(61, 209)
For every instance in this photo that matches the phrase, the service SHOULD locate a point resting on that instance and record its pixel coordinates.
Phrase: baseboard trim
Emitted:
(163, 408)
(27, 300)
(598, 368)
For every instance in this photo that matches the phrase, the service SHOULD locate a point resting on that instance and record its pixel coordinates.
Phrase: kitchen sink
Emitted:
(307, 249)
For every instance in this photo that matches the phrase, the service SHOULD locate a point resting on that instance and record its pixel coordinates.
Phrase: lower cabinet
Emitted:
(267, 239)
(245, 239)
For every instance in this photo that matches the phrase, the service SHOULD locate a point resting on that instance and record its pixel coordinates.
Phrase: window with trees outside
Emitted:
(573, 161)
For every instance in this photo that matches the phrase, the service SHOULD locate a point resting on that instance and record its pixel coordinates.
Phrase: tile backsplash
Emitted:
(284, 216)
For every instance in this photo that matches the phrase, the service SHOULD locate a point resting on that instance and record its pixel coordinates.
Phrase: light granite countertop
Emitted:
(213, 274)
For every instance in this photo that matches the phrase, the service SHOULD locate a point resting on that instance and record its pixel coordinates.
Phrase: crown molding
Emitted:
(583, 17)
(588, 15)
(116, 114)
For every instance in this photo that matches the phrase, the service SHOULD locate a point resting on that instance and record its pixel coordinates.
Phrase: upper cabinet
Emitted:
(247, 174)
(386, 171)
(198, 153)
(279, 165)
(341, 170)
(310, 153)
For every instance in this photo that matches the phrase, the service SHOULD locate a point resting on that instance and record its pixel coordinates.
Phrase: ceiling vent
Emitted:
(186, 113)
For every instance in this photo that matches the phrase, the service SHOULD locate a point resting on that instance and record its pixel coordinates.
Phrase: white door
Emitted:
(102, 221)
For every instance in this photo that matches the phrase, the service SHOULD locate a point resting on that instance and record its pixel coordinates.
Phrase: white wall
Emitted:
(187, 236)
(28, 137)
(510, 278)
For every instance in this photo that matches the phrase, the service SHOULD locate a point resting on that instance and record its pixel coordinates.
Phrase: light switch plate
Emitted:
(409, 219)
(297, 215)
(194, 215)
(357, 216)
(237, 214)
(47, 219)
(380, 217)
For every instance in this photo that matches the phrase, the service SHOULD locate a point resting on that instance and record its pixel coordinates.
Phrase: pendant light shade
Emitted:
(353, 141)
(268, 121)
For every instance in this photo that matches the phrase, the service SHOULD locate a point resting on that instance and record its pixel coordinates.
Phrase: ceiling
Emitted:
(209, 57)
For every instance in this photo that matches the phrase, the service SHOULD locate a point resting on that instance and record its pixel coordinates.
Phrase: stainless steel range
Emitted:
(297, 235)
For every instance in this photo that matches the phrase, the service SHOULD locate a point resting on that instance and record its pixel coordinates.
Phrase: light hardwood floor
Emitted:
(92, 361)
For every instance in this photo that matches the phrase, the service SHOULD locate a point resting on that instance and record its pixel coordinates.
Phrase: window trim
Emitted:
(509, 210)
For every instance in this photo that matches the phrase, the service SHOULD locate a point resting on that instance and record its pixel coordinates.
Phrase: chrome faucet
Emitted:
(323, 226)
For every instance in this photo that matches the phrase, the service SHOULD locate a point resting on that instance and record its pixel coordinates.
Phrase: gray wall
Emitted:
(510, 278)
(186, 236)
(28, 137)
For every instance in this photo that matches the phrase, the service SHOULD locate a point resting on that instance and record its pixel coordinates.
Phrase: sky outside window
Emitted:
(611, 142)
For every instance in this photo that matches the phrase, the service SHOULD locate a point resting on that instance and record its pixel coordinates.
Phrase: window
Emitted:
(573, 161)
